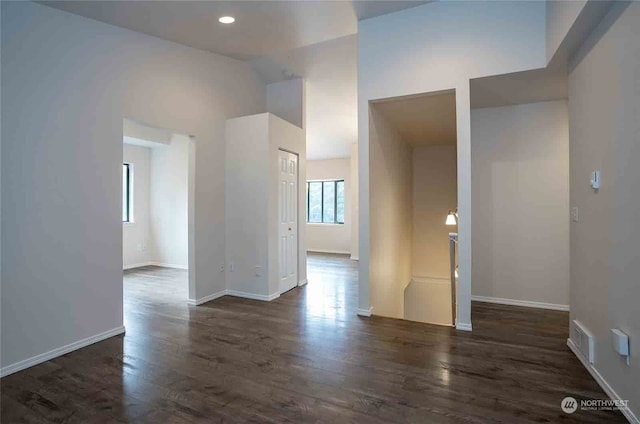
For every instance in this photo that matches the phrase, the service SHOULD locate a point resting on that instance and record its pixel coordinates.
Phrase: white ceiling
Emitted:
(423, 120)
(315, 40)
(261, 27)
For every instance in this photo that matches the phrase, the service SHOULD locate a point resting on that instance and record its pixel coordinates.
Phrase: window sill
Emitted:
(127, 223)
(324, 224)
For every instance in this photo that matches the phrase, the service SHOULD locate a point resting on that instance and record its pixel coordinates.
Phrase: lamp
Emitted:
(452, 218)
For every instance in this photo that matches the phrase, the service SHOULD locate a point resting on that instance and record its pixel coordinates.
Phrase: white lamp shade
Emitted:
(451, 219)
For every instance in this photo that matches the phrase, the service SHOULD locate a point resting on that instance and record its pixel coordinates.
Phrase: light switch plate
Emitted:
(574, 214)
(595, 180)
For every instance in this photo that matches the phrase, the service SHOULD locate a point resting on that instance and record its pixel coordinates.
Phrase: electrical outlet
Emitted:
(574, 214)
(258, 270)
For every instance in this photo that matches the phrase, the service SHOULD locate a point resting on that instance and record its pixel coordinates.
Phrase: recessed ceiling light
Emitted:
(227, 20)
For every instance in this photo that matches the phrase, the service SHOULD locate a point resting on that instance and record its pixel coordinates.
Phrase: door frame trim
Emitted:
(280, 290)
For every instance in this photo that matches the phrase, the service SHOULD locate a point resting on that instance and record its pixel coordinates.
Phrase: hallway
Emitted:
(305, 357)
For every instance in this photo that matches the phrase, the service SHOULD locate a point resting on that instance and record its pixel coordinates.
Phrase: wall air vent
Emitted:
(583, 339)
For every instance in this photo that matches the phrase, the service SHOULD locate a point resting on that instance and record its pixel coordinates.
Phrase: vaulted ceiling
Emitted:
(261, 27)
(315, 40)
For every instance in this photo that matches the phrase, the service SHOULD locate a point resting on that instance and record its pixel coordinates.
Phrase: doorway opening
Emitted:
(331, 236)
(413, 188)
(156, 192)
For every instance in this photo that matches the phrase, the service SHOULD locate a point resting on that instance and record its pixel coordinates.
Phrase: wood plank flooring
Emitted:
(305, 357)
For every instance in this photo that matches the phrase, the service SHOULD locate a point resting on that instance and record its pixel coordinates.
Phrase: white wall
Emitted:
(604, 129)
(391, 229)
(158, 234)
(286, 99)
(440, 46)
(251, 179)
(434, 194)
(136, 242)
(331, 238)
(168, 205)
(330, 78)
(283, 135)
(63, 179)
(247, 214)
(520, 186)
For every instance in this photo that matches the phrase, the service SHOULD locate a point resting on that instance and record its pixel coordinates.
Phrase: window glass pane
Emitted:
(328, 205)
(340, 202)
(125, 194)
(315, 202)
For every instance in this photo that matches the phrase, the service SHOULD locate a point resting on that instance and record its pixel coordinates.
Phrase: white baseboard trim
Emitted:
(235, 293)
(43, 357)
(365, 312)
(355, 258)
(336, 252)
(166, 265)
(205, 299)
(303, 283)
(464, 326)
(627, 412)
(263, 297)
(153, 263)
(138, 265)
(525, 303)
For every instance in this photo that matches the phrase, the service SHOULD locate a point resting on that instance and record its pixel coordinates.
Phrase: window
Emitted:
(325, 202)
(127, 188)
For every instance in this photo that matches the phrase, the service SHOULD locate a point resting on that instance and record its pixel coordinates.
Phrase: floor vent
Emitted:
(583, 339)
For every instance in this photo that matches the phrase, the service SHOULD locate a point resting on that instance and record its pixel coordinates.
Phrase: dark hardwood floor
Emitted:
(305, 357)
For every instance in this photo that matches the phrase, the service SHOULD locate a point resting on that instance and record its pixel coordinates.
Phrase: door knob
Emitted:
(289, 228)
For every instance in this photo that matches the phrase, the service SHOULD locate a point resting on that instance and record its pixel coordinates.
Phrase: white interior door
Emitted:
(288, 220)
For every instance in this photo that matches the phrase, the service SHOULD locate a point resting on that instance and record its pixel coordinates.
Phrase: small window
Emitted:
(127, 188)
(325, 202)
